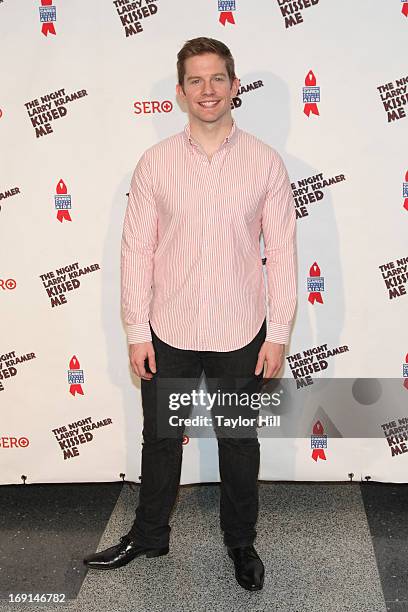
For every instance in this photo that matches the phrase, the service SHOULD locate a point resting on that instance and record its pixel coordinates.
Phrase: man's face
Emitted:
(207, 88)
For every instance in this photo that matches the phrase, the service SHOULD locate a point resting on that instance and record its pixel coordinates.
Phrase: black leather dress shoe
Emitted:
(121, 554)
(249, 569)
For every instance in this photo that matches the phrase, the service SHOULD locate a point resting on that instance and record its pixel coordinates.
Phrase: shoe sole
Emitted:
(250, 588)
(244, 585)
(155, 552)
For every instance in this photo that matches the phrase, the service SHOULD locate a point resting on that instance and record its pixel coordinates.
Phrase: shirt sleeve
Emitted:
(139, 242)
(279, 232)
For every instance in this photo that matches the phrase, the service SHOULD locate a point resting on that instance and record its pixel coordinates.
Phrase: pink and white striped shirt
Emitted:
(190, 254)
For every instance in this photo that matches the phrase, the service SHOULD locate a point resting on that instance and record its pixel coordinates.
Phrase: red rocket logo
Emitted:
(225, 8)
(311, 94)
(315, 284)
(405, 372)
(62, 202)
(405, 187)
(318, 441)
(48, 15)
(75, 377)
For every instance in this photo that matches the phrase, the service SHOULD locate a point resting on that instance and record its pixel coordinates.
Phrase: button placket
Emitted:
(204, 173)
(212, 172)
(208, 172)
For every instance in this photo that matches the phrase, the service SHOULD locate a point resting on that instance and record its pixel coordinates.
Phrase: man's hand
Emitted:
(272, 354)
(137, 354)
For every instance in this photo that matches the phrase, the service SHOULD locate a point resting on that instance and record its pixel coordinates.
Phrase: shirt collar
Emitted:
(229, 139)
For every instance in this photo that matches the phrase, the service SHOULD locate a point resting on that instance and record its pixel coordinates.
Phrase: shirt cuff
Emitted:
(138, 332)
(277, 332)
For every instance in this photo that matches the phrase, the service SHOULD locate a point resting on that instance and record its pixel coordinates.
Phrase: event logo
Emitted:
(225, 8)
(290, 10)
(62, 202)
(48, 108)
(405, 372)
(309, 190)
(8, 193)
(8, 363)
(394, 97)
(237, 102)
(14, 442)
(48, 14)
(404, 8)
(75, 377)
(315, 284)
(395, 276)
(396, 435)
(311, 94)
(7, 284)
(148, 107)
(318, 442)
(70, 436)
(132, 11)
(310, 361)
(404, 191)
(63, 280)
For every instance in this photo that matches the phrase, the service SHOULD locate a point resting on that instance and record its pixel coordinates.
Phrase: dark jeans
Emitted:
(162, 457)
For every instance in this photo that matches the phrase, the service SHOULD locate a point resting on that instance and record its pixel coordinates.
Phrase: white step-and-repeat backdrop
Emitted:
(86, 87)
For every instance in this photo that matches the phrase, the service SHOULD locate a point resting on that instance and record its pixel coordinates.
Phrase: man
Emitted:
(193, 294)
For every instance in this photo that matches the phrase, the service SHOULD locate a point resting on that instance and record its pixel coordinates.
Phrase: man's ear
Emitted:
(179, 91)
(235, 86)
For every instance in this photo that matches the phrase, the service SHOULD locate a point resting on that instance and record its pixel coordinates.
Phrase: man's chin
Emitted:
(209, 118)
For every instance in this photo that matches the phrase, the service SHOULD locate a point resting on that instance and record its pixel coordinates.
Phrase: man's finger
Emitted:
(152, 362)
(142, 370)
(135, 368)
(259, 365)
(271, 369)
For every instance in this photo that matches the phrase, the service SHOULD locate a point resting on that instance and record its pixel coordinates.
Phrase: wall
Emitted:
(106, 85)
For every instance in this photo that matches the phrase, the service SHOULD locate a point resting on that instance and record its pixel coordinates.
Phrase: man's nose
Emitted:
(208, 87)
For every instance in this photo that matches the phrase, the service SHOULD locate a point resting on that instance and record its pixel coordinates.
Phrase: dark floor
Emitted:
(326, 546)
(386, 507)
(44, 529)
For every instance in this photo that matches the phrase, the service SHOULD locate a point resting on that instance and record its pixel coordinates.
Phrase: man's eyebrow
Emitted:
(197, 77)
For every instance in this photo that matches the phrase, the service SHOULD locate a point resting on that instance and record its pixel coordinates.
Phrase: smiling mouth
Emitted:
(209, 104)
